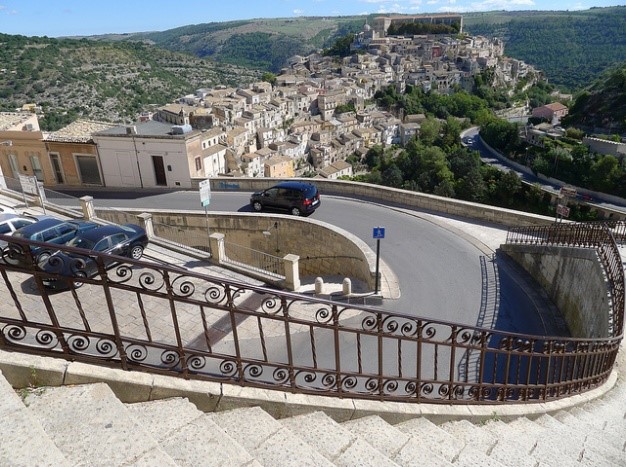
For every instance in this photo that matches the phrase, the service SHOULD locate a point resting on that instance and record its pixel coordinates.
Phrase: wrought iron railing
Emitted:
(596, 235)
(146, 316)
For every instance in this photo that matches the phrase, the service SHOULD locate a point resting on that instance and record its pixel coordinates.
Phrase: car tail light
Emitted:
(308, 201)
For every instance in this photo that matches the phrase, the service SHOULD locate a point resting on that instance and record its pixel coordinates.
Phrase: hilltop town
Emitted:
(308, 120)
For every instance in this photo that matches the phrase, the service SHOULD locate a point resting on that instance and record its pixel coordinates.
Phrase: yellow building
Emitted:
(279, 167)
(22, 150)
(73, 154)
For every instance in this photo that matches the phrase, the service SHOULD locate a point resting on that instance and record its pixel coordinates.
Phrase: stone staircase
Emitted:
(86, 424)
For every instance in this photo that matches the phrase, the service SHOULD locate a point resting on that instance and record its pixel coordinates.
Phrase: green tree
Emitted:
(507, 189)
(471, 187)
(269, 77)
(392, 176)
(429, 131)
(604, 173)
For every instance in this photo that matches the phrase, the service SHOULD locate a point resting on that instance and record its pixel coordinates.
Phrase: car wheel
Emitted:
(42, 258)
(257, 206)
(295, 211)
(76, 282)
(136, 252)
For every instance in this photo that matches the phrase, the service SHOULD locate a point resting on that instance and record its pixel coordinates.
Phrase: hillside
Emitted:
(572, 47)
(101, 80)
(602, 104)
(261, 43)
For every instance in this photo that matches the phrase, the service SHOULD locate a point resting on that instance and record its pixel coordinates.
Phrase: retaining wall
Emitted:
(574, 279)
(323, 248)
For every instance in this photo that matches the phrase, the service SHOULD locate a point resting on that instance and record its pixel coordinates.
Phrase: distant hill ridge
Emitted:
(113, 77)
(572, 47)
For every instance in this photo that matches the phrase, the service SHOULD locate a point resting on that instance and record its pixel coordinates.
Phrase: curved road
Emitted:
(502, 163)
(442, 275)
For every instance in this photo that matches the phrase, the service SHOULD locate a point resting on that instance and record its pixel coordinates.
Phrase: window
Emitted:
(103, 244)
(198, 163)
(88, 169)
(37, 170)
(118, 238)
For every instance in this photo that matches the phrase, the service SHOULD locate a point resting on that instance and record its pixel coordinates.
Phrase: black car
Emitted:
(50, 230)
(128, 240)
(295, 197)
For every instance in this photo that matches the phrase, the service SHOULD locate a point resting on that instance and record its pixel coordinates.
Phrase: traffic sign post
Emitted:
(205, 199)
(562, 210)
(378, 233)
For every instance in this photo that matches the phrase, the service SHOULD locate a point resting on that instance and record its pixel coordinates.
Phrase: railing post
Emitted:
(145, 220)
(89, 212)
(216, 244)
(292, 272)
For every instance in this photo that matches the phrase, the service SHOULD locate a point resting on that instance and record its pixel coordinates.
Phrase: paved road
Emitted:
(442, 273)
(504, 164)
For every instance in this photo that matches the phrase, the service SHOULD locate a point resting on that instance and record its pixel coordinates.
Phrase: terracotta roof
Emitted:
(79, 131)
(555, 106)
(11, 119)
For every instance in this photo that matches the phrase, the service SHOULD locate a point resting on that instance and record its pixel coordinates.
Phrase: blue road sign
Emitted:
(379, 232)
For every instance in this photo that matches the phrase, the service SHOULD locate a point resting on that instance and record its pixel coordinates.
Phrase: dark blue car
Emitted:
(121, 240)
(52, 231)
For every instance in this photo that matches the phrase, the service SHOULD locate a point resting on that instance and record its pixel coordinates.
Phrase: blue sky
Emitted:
(54, 18)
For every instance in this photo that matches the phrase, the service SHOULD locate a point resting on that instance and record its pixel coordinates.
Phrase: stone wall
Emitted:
(323, 248)
(392, 197)
(574, 279)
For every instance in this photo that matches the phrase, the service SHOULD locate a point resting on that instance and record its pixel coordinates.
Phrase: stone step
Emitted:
(398, 446)
(266, 439)
(547, 447)
(594, 450)
(471, 434)
(333, 441)
(452, 443)
(90, 426)
(588, 416)
(188, 435)
(437, 440)
(567, 418)
(23, 441)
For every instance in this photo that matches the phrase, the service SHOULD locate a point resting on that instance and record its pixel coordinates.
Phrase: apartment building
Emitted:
(22, 149)
(73, 154)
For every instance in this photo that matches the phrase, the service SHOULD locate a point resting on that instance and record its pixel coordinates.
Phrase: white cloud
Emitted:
(489, 5)
(298, 12)
(578, 6)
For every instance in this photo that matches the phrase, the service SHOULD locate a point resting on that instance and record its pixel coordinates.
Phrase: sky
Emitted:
(57, 18)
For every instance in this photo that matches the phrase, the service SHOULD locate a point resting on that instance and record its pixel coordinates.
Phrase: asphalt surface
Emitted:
(438, 262)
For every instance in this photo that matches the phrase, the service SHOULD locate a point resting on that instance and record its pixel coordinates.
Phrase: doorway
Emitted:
(159, 170)
(58, 170)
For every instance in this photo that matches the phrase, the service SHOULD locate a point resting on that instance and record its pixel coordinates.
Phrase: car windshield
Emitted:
(79, 242)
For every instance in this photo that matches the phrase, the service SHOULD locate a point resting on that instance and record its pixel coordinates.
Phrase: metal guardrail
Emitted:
(255, 260)
(144, 316)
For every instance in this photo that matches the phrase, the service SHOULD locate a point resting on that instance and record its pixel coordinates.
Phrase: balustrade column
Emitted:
(86, 203)
(145, 220)
(216, 244)
(292, 272)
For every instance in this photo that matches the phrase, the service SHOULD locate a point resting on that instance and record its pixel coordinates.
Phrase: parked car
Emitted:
(9, 223)
(295, 197)
(128, 240)
(52, 231)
